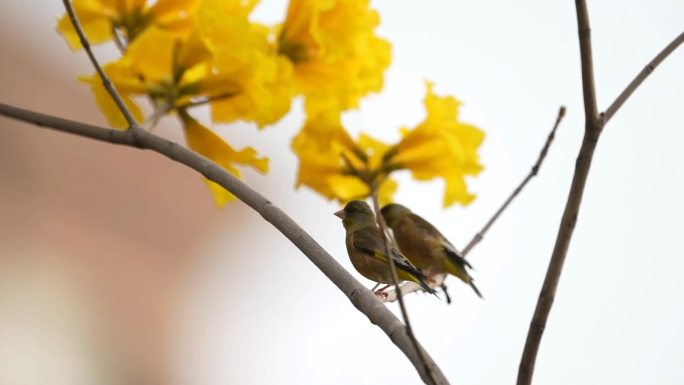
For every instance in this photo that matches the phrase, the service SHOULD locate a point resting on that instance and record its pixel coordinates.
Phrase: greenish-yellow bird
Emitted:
(425, 246)
(367, 250)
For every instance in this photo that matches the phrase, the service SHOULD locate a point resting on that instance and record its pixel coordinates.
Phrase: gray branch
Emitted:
(593, 126)
(362, 298)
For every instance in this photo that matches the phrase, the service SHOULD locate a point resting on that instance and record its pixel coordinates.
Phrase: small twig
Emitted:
(358, 295)
(118, 41)
(208, 100)
(634, 84)
(389, 246)
(159, 111)
(533, 172)
(105, 79)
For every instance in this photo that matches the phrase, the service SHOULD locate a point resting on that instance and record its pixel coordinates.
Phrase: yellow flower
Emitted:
(337, 57)
(207, 143)
(103, 19)
(107, 105)
(169, 69)
(243, 54)
(441, 146)
(336, 166)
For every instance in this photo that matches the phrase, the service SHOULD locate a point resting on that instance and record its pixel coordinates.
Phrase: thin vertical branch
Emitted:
(592, 132)
(105, 79)
(587, 64)
(594, 124)
(533, 172)
(389, 245)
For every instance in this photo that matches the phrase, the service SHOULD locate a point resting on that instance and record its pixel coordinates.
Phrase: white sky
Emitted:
(267, 316)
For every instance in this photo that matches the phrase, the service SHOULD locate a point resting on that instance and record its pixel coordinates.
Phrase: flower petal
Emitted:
(209, 144)
(109, 107)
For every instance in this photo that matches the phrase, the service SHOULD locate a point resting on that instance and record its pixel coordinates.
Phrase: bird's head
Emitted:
(392, 212)
(356, 214)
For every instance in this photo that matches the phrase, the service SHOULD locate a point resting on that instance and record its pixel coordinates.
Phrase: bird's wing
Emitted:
(454, 255)
(424, 226)
(403, 262)
(370, 243)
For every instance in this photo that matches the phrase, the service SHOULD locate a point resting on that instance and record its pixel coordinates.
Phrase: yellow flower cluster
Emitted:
(338, 167)
(179, 54)
(183, 53)
(338, 59)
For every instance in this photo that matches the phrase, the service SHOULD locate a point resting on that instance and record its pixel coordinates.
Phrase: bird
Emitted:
(425, 246)
(367, 250)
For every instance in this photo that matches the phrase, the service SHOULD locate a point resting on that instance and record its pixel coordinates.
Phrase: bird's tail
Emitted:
(423, 282)
(415, 275)
(475, 289)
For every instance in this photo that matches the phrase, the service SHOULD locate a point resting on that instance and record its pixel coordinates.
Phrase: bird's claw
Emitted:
(382, 295)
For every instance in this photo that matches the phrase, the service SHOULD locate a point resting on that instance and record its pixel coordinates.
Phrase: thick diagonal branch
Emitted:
(362, 298)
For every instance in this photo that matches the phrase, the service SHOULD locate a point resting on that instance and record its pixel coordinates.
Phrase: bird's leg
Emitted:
(446, 293)
(381, 292)
(376, 286)
(382, 289)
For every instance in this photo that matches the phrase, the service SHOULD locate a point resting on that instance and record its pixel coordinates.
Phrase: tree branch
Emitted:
(207, 100)
(360, 297)
(641, 76)
(569, 219)
(105, 79)
(363, 299)
(389, 245)
(548, 291)
(533, 172)
(587, 64)
(593, 126)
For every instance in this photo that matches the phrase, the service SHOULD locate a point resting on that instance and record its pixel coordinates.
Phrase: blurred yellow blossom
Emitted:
(183, 53)
(103, 19)
(335, 165)
(107, 105)
(207, 143)
(441, 147)
(242, 52)
(337, 57)
(166, 68)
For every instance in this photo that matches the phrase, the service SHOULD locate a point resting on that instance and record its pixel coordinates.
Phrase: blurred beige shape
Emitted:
(94, 239)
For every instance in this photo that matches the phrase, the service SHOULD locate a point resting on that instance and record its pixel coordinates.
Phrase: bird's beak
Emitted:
(340, 214)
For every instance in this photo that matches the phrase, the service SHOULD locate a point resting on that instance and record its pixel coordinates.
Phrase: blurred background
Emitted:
(116, 266)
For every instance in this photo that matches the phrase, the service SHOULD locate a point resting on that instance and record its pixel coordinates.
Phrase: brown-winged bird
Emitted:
(367, 250)
(425, 246)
